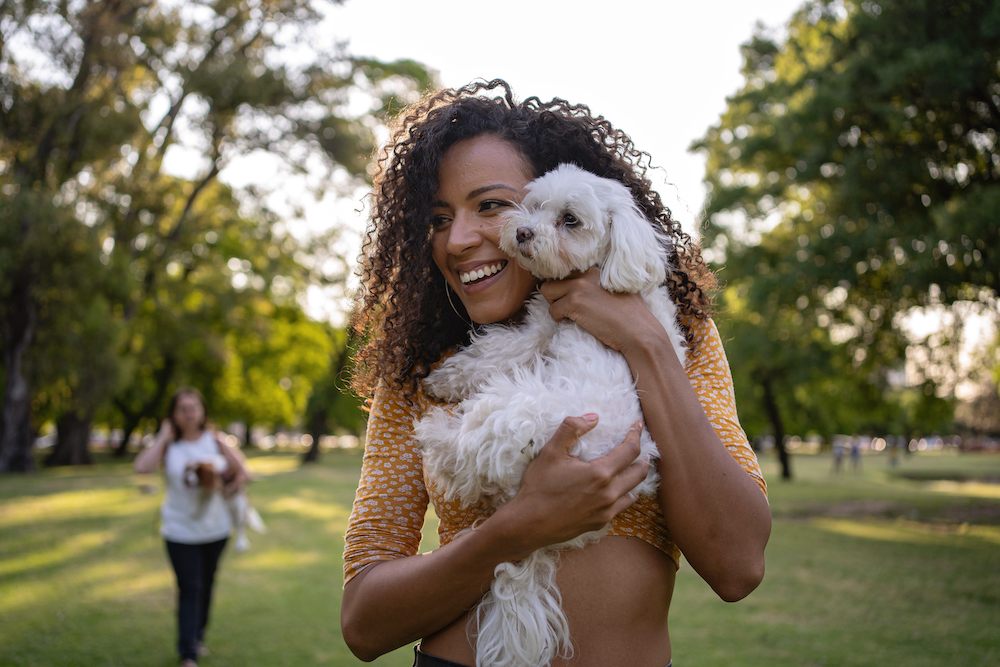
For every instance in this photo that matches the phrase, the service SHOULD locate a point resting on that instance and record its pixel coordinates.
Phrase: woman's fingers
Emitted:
(569, 431)
(624, 455)
(614, 319)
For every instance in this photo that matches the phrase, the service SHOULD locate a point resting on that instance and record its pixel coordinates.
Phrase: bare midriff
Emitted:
(616, 595)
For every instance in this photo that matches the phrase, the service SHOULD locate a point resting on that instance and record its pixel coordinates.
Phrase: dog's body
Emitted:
(515, 385)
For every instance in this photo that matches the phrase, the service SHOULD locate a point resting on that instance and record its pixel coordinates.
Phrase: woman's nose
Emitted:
(464, 232)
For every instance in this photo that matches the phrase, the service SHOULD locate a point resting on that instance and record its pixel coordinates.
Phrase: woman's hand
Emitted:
(604, 315)
(237, 465)
(166, 431)
(150, 458)
(562, 496)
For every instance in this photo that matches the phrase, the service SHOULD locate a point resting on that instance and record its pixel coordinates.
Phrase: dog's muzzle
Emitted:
(523, 235)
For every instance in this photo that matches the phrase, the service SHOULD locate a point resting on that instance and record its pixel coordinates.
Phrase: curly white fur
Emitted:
(514, 386)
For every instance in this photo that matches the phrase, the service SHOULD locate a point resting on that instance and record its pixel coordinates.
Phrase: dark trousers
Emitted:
(194, 565)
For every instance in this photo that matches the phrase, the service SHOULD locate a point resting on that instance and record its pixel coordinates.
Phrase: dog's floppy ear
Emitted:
(636, 255)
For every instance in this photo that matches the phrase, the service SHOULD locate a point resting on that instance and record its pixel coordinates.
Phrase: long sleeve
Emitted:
(391, 500)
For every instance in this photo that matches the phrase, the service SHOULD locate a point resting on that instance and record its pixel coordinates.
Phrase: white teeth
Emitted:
(479, 274)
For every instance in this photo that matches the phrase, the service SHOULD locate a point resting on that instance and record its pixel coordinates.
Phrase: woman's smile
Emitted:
(476, 276)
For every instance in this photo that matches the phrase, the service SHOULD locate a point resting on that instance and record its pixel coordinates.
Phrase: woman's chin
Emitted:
(498, 298)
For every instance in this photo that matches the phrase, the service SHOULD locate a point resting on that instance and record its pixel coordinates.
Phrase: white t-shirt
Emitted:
(189, 514)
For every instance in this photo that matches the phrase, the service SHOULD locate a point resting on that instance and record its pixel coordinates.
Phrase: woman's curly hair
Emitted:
(402, 315)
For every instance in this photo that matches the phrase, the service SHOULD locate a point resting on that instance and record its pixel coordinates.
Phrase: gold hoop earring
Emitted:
(447, 292)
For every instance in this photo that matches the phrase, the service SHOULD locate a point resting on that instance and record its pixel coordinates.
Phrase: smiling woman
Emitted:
(457, 162)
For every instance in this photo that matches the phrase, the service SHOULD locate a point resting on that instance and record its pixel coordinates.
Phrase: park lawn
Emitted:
(862, 569)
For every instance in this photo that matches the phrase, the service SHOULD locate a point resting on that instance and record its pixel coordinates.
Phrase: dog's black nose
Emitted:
(523, 234)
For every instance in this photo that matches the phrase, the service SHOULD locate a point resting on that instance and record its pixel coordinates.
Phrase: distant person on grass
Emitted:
(838, 455)
(200, 472)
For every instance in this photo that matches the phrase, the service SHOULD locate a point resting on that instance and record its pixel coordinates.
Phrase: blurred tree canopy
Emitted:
(855, 177)
(119, 279)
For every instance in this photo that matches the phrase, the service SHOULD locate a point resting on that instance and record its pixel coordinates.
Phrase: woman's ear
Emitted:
(636, 258)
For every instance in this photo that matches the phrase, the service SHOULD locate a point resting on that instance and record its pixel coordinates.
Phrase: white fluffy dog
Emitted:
(516, 384)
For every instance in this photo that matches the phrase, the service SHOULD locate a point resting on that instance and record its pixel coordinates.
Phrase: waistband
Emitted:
(421, 659)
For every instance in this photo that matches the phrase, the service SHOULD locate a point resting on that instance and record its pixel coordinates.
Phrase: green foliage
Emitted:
(333, 407)
(854, 177)
(93, 97)
(272, 365)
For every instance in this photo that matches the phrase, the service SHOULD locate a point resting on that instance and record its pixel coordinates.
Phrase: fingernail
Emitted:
(591, 416)
(638, 425)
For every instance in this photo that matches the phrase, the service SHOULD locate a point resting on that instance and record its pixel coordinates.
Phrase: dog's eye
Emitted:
(569, 220)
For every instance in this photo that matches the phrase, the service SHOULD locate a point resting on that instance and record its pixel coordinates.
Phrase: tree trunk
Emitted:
(72, 439)
(18, 331)
(771, 407)
(131, 424)
(317, 428)
(133, 417)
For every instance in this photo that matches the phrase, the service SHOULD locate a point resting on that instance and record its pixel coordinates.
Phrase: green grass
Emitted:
(866, 569)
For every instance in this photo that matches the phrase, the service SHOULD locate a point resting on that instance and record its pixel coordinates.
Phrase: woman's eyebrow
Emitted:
(486, 188)
(475, 193)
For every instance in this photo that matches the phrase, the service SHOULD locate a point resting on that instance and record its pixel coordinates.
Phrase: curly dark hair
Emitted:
(401, 314)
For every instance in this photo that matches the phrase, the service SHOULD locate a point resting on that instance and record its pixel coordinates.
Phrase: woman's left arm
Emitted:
(237, 463)
(715, 511)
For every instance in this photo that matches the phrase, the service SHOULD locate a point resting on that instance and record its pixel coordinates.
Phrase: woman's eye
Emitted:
(570, 220)
(438, 221)
(491, 204)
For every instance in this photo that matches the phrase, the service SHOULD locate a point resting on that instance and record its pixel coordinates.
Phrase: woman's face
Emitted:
(480, 179)
(189, 413)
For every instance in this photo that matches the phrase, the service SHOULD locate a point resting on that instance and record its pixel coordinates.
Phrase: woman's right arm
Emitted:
(149, 459)
(394, 602)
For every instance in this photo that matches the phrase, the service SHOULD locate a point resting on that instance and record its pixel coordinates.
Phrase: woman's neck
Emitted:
(191, 434)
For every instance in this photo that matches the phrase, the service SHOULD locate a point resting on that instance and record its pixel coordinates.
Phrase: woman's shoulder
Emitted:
(703, 335)
(397, 400)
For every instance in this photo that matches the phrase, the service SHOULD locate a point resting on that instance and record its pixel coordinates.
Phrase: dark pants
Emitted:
(422, 659)
(194, 565)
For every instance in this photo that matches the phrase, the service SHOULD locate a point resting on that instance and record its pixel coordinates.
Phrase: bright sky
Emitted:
(660, 71)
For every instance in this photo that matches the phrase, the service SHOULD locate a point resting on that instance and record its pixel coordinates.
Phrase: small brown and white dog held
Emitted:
(209, 480)
(515, 385)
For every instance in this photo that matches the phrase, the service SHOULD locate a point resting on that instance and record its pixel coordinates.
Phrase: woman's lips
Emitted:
(481, 273)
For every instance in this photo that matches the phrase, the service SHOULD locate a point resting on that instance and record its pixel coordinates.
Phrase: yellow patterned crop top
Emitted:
(392, 495)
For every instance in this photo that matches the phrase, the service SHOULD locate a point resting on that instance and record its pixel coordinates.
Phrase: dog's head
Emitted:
(571, 220)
